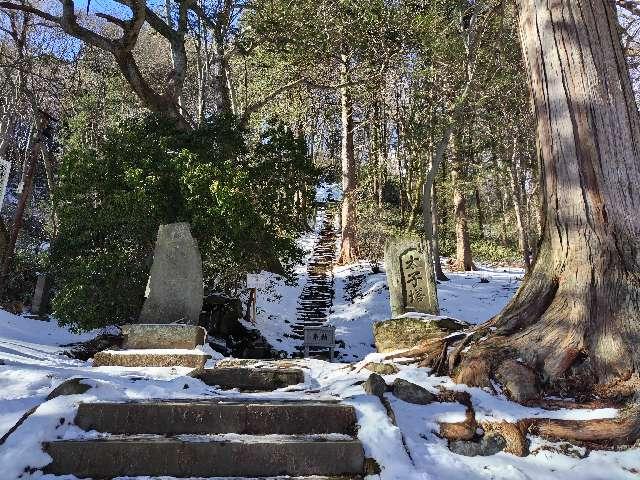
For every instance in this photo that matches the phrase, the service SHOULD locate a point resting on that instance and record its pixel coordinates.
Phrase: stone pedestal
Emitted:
(150, 336)
(410, 276)
(153, 345)
(175, 289)
(151, 358)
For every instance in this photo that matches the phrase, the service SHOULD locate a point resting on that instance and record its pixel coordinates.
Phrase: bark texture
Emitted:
(348, 247)
(464, 260)
(575, 319)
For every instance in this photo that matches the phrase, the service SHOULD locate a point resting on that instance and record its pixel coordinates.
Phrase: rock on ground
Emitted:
(375, 385)
(490, 444)
(410, 331)
(412, 393)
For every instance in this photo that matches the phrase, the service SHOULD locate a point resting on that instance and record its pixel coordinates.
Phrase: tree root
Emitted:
(513, 434)
(596, 434)
(432, 353)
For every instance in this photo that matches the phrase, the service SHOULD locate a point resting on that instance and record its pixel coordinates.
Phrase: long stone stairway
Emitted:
(211, 438)
(316, 298)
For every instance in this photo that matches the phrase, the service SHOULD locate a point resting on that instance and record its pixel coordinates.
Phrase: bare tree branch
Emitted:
(30, 9)
(254, 107)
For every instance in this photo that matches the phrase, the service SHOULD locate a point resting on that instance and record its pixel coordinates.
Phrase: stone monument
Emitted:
(412, 283)
(175, 290)
(167, 333)
(40, 295)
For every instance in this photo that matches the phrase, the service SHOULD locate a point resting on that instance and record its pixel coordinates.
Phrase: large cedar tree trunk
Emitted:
(348, 248)
(576, 319)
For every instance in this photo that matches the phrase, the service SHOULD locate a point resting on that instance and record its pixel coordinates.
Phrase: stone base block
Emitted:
(151, 358)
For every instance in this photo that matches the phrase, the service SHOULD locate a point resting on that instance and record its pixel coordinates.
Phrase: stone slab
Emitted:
(176, 458)
(175, 290)
(215, 417)
(410, 276)
(153, 336)
(252, 379)
(149, 358)
(409, 331)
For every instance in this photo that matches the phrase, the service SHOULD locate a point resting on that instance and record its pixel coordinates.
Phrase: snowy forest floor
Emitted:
(32, 364)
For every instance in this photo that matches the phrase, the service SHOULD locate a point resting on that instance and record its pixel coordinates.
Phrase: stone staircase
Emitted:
(316, 297)
(211, 438)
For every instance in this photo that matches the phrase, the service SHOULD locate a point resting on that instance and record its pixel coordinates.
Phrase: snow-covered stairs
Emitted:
(316, 297)
(211, 438)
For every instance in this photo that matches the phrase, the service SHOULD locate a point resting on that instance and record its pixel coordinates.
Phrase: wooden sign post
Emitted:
(254, 281)
(324, 337)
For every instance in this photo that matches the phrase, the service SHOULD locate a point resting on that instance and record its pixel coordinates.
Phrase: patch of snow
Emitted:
(156, 351)
(328, 191)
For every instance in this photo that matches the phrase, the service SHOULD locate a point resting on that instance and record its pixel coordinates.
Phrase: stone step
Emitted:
(251, 379)
(186, 457)
(215, 417)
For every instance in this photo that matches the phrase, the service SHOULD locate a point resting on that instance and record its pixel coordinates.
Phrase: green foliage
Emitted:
(490, 251)
(375, 226)
(22, 281)
(114, 194)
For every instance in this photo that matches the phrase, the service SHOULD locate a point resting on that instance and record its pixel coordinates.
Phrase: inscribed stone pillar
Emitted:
(412, 284)
(175, 289)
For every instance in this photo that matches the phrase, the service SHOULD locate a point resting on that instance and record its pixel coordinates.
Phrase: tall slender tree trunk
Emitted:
(223, 93)
(480, 211)
(575, 319)
(435, 244)
(518, 207)
(401, 193)
(47, 160)
(463, 244)
(35, 149)
(348, 247)
(382, 153)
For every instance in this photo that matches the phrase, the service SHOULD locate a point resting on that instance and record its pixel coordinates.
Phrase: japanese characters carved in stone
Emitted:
(410, 277)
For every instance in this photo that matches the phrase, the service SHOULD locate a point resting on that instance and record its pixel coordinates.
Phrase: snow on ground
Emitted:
(362, 298)
(328, 191)
(277, 300)
(33, 364)
(411, 450)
